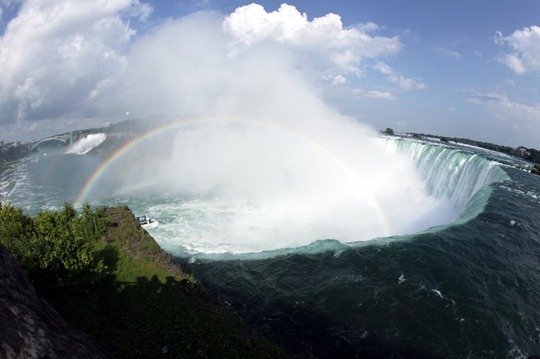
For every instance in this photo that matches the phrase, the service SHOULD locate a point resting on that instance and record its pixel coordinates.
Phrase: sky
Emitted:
(461, 69)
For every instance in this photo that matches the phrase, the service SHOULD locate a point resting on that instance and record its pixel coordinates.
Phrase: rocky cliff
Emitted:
(31, 328)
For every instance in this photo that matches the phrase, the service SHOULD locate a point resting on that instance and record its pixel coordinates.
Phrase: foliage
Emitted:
(15, 230)
(91, 225)
(12, 152)
(135, 302)
(534, 155)
(147, 317)
(55, 248)
(151, 309)
(389, 131)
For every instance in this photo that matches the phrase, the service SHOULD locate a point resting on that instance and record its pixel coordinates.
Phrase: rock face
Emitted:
(29, 326)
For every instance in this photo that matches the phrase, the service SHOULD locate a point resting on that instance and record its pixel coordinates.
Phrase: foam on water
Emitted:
(243, 187)
(230, 186)
(219, 193)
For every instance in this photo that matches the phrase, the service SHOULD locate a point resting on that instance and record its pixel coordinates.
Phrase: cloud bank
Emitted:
(64, 60)
(57, 57)
(503, 107)
(342, 48)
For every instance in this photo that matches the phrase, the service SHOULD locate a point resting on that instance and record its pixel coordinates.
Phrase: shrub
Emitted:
(56, 248)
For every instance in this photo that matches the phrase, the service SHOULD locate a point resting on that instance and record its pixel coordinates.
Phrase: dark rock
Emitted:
(30, 327)
(189, 284)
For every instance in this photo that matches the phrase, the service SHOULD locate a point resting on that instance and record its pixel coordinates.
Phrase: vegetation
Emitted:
(12, 152)
(56, 249)
(389, 131)
(534, 155)
(109, 278)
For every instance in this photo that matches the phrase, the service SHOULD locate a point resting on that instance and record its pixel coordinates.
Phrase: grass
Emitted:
(149, 308)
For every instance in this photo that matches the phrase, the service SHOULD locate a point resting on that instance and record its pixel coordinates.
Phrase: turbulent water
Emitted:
(465, 285)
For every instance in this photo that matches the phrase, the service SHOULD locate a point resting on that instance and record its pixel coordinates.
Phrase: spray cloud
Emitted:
(268, 164)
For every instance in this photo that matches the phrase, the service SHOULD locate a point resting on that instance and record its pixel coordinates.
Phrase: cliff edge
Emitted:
(31, 328)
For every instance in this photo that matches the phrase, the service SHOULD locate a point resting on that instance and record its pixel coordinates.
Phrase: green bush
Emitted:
(15, 230)
(55, 248)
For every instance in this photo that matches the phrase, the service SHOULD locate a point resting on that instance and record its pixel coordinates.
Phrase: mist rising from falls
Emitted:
(252, 185)
(275, 166)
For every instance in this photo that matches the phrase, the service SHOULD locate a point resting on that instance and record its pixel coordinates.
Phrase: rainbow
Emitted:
(175, 125)
(116, 155)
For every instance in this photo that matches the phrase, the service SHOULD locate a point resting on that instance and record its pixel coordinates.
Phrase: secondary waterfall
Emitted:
(87, 143)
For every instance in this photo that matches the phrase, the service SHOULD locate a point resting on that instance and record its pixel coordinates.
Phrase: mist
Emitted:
(258, 161)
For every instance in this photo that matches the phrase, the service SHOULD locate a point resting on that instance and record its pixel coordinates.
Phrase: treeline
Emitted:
(530, 154)
(535, 155)
(12, 152)
(56, 249)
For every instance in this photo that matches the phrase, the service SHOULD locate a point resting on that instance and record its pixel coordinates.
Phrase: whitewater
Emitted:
(87, 143)
(328, 238)
(461, 283)
(222, 185)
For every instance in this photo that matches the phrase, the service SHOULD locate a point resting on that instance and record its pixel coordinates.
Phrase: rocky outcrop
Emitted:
(29, 326)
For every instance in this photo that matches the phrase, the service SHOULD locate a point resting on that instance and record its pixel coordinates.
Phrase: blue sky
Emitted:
(462, 68)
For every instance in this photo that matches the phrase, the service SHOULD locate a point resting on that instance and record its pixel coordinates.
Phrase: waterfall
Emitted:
(87, 143)
(451, 172)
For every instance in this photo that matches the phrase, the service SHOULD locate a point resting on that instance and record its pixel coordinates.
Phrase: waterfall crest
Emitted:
(449, 172)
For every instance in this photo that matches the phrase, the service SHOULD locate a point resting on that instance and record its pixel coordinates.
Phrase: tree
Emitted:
(56, 248)
(15, 229)
(389, 131)
(90, 225)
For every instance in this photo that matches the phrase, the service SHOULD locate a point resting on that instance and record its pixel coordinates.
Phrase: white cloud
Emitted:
(183, 67)
(502, 107)
(81, 60)
(55, 54)
(138, 10)
(402, 82)
(381, 95)
(323, 37)
(514, 62)
(339, 80)
(525, 46)
(509, 121)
